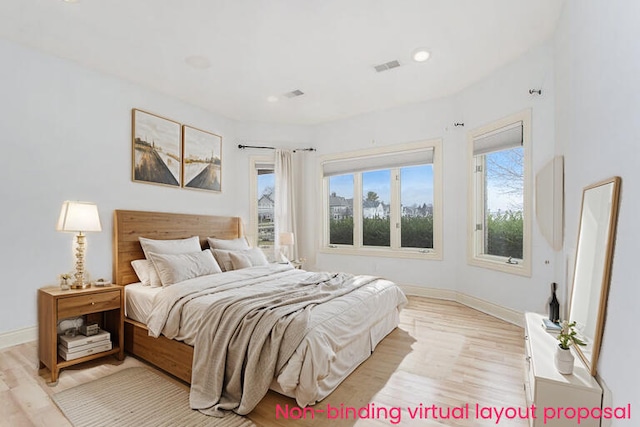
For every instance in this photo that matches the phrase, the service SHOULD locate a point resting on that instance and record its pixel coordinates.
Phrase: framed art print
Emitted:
(201, 159)
(155, 149)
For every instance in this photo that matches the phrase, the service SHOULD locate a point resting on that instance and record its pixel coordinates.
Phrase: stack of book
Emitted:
(74, 347)
(550, 326)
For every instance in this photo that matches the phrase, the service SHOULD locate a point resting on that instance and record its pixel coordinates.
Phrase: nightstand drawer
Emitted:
(91, 303)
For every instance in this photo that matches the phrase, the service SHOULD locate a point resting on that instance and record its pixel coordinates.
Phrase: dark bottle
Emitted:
(554, 305)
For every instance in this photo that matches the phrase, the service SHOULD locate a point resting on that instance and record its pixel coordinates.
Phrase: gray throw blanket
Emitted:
(248, 336)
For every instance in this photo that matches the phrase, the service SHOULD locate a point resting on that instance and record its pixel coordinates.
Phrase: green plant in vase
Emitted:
(569, 336)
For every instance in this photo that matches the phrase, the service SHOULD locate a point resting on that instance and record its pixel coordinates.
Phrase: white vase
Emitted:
(564, 361)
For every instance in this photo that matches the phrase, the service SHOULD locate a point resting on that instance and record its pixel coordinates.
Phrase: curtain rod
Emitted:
(263, 147)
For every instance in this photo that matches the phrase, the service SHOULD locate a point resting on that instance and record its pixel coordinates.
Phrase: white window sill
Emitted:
(518, 266)
(429, 254)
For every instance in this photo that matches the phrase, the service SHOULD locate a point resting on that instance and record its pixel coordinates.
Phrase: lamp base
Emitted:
(79, 282)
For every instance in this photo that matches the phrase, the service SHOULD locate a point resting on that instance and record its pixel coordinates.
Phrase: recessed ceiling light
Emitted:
(198, 61)
(272, 98)
(421, 55)
(70, 1)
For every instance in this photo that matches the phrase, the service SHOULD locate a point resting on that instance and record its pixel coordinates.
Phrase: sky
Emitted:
(500, 189)
(201, 144)
(416, 181)
(417, 187)
(153, 129)
(264, 181)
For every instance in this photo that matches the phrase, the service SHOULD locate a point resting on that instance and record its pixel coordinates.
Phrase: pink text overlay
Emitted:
(395, 414)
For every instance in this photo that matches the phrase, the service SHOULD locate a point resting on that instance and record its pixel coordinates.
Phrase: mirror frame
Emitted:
(592, 362)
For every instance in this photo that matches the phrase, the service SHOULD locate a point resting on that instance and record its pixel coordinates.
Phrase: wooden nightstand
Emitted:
(102, 305)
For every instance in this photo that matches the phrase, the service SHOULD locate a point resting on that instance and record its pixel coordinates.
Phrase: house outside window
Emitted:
(376, 208)
(341, 210)
(500, 196)
(384, 202)
(262, 233)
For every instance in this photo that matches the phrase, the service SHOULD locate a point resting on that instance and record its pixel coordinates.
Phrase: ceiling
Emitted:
(260, 48)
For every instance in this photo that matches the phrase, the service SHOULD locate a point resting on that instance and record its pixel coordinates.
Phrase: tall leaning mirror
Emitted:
(592, 272)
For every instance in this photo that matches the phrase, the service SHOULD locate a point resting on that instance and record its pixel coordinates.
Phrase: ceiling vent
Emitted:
(387, 66)
(294, 93)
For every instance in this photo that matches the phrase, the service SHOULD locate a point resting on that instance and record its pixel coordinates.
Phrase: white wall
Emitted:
(503, 93)
(597, 65)
(66, 135)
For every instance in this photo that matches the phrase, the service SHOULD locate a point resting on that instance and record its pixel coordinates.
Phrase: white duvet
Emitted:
(342, 332)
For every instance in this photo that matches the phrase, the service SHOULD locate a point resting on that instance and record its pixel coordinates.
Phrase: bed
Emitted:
(341, 333)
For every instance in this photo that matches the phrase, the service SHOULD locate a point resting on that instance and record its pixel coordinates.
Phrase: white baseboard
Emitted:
(11, 338)
(508, 315)
(419, 291)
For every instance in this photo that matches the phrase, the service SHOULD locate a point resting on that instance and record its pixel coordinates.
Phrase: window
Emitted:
(500, 213)
(416, 199)
(262, 202)
(341, 210)
(376, 208)
(384, 202)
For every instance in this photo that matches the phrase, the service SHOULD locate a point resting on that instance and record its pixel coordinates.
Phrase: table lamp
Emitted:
(286, 239)
(79, 217)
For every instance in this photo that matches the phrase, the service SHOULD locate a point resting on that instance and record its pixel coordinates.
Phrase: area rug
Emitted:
(136, 397)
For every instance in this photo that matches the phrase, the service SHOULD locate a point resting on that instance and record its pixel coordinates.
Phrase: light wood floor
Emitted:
(443, 354)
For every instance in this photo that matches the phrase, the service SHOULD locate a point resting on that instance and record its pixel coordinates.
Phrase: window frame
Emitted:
(255, 162)
(476, 196)
(394, 251)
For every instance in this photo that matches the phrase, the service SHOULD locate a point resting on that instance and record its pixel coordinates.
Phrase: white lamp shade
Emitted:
(79, 216)
(286, 239)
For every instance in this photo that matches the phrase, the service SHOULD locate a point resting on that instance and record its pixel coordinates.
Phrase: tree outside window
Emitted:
(500, 210)
(380, 210)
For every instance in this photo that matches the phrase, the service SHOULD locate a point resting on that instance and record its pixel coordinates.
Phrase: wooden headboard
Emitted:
(129, 225)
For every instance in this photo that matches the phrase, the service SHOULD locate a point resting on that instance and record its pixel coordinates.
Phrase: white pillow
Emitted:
(146, 272)
(223, 259)
(239, 261)
(174, 268)
(255, 256)
(228, 244)
(176, 246)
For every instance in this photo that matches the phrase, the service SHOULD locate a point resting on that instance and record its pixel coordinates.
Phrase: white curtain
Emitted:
(285, 213)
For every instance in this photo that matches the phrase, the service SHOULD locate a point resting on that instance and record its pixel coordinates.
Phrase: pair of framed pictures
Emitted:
(166, 152)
